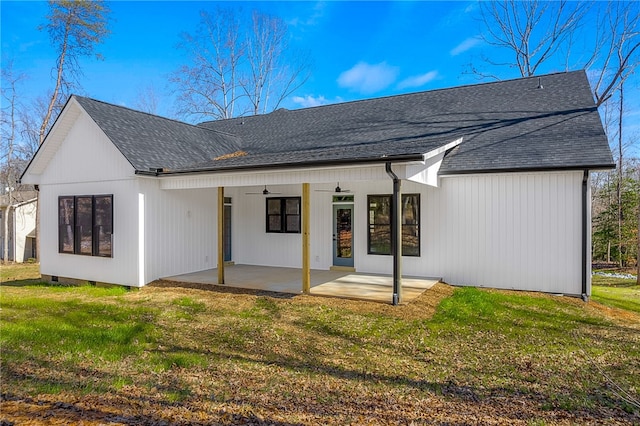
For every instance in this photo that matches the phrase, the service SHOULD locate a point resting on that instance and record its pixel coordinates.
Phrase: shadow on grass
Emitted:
(72, 413)
(28, 283)
(221, 288)
(476, 309)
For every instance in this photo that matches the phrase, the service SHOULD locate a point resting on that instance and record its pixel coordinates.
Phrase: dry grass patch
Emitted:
(200, 354)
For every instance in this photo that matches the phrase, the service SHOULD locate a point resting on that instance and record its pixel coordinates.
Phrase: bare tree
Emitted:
(209, 87)
(617, 52)
(75, 28)
(9, 129)
(270, 80)
(237, 67)
(532, 31)
(147, 100)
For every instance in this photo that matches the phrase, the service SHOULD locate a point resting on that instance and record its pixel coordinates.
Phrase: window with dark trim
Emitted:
(379, 224)
(85, 225)
(283, 214)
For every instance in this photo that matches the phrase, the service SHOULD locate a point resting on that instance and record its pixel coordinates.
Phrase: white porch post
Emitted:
(306, 247)
(221, 235)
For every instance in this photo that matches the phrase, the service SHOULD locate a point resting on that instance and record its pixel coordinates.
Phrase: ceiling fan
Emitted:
(337, 189)
(265, 191)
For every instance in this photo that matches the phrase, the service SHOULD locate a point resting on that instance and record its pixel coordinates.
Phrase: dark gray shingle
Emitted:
(150, 141)
(505, 126)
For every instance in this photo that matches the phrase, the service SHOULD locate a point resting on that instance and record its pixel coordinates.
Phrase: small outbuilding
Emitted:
(483, 185)
(18, 226)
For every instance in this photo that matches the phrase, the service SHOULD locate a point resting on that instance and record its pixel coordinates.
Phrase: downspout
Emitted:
(585, 179)
(396, 235)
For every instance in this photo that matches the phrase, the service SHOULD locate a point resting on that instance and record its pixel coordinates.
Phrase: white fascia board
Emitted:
(426, 172)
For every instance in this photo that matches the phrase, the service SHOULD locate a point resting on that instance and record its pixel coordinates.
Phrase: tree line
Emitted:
(240, 64)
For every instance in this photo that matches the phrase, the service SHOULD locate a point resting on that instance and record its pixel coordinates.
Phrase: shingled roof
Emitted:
(149, 141)
(538, 123)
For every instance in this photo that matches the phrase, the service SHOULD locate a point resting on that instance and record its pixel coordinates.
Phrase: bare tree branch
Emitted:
(236, 67)
(532, 31)
(75, 28)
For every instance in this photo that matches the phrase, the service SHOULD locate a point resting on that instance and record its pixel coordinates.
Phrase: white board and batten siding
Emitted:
(512, 230)
(179, 230)
(87, 163)
(24, 223)
(518, 231)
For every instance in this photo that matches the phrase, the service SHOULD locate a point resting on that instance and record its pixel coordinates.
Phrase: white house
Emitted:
(492, 182)
(20, 225)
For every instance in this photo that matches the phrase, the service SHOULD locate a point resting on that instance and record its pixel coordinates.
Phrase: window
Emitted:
(379, 221)
(283, 214)
(85, 225)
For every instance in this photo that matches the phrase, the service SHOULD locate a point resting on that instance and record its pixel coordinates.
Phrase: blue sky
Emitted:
(357, 49)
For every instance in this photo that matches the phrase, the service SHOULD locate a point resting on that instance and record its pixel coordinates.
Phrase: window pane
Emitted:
(410, 240)
(65, 224)
(293, 206)
(274, 223)
(273, 205)
(103, 225)
(380, 224)
(379, 209)
(84, 240)
(379, 239)
(293, 223)
(378, 221)
(410, 209)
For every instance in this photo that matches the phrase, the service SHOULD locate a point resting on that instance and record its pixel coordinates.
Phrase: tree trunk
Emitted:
(619, 187)
(56, 90)
(638, 237)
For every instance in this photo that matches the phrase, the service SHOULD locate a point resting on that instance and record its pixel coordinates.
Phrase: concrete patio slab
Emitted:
(343, 284)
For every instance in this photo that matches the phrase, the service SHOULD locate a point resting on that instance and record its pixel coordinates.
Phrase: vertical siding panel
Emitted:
(527, 230)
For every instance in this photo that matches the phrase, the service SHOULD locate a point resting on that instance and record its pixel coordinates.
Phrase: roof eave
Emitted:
(591, 167)
(296, 165)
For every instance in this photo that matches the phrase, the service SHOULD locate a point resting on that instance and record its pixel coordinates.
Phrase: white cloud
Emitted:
(366, 78)
(418, 80)
(317, 13)
(312, 101)
(467, 44)
(471, 8)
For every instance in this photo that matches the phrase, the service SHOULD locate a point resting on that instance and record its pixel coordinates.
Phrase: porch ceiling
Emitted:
(351, 285)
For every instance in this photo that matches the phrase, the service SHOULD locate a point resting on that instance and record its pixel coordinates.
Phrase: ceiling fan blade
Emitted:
(336, 190)
(265, 191)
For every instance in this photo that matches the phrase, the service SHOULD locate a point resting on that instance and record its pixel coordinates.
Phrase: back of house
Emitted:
(492, 183)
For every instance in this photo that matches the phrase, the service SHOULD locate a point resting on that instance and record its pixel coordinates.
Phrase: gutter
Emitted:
(527, 169)
(585, 180)
(153, 171)
(396, 234)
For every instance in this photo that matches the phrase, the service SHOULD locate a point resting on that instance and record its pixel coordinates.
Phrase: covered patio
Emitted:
(344, 284)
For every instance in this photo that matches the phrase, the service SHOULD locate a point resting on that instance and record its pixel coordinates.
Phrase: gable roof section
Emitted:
(505, 126)
(149, 141)
(513, 125)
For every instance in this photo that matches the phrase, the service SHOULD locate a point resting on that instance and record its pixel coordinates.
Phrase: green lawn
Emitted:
(616, 292)
(195, 356)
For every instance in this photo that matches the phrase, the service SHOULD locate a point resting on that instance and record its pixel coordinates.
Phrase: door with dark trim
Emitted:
(343, 235)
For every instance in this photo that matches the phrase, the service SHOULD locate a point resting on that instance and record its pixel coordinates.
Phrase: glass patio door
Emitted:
(343, 235)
